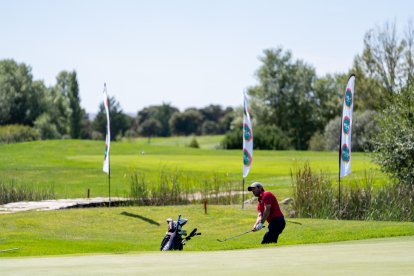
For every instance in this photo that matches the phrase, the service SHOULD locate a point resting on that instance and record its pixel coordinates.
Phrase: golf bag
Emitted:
(173, 239)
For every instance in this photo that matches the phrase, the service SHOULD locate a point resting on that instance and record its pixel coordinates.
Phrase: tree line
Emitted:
(55, 112)
(292, 108)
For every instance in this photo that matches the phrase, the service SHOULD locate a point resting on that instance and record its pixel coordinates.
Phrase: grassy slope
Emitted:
(72, 166)
(120, 230)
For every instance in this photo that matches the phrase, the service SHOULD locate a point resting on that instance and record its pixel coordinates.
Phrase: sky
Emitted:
(188, 53)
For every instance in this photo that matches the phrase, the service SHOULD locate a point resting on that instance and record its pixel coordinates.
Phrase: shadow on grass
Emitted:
(140, 217)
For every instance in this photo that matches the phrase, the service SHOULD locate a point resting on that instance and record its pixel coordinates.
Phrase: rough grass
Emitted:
(133, 229)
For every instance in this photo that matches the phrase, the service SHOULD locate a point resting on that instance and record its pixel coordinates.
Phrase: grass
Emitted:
(133, 229)
(73, 166)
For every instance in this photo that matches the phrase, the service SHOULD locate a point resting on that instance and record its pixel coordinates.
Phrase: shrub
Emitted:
(17, 133)
(364, 128)
(265, 137)
(317, 142)
(194, 143)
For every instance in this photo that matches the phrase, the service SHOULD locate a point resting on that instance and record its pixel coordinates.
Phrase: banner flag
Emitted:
(108, 133)
(346, 128)
(247, 139)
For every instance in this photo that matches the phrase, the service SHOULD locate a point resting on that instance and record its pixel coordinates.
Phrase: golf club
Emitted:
(229, 238)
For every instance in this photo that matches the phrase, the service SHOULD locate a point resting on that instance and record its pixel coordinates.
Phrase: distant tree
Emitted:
(67, 84)
(210, 128)
(151, 127)
(225, 122)
(285, 96)
(387, 58)
(329, 91)
(186, 123)
(119, 121)
(162, 113)
(19, 96)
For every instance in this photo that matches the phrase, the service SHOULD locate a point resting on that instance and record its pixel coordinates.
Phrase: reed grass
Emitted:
(11, 191)
(316, 195)
(179, 187)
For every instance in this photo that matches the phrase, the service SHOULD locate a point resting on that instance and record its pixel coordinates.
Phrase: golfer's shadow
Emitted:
(140, 217)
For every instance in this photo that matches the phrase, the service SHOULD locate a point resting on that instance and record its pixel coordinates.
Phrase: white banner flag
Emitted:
(247, 139)
(346, 128)
(108, 133)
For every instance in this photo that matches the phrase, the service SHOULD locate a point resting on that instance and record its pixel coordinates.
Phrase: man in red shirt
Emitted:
(269, 211)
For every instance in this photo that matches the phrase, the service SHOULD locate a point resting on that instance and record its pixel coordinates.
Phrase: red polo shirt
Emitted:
(267, 198)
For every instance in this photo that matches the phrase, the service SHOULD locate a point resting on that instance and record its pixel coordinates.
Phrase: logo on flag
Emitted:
(345, 154)
(346, 125)
(247, 133)
(348, 97)
(247, 159)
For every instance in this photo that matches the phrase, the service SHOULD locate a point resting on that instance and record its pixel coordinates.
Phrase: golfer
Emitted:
(269, 211)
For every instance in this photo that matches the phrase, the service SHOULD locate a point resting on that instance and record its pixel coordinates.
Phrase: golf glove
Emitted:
(259, 226)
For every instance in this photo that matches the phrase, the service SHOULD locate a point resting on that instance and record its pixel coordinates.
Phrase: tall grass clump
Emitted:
(177, 187)
(10, 191)
(315, 195)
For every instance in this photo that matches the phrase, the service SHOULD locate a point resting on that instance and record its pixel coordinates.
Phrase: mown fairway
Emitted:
(72, 167)
(391, 256)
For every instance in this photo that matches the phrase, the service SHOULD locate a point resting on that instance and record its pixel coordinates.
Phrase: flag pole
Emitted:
(109, 181)
(339, 179)
(243, 194)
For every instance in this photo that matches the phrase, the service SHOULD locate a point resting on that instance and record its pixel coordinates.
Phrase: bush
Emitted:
(17, 133)
(264, 137)
(364, 128)
(317, 142)
(394, 148)
(194, 143)
(46, 128)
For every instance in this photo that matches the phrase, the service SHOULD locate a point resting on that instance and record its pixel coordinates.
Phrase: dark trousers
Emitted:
(276, 227)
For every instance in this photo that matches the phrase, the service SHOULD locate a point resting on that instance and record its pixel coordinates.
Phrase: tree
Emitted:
(119, 121)
(19, 96)
(162, 113)
(387, 58)
(285, 96)
(394, 149)
(67, 84)
(150, 127)
(186, 123)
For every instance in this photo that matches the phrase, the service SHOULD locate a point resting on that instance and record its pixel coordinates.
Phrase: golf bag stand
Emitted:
(173, 239)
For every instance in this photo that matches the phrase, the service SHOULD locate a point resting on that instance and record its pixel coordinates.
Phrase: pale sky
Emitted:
(186, 53)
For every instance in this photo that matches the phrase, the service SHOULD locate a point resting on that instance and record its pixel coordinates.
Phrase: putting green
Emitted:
(391, 256)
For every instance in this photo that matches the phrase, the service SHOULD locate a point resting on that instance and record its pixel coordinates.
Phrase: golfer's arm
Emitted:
(266, 213)
(258, 219)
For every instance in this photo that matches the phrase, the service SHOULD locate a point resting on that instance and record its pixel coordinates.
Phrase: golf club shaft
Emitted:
(236, 236)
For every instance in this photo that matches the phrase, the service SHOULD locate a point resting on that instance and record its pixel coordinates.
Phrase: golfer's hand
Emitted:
(258, 226)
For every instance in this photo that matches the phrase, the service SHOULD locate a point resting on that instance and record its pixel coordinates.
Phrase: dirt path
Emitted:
(391, 256)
